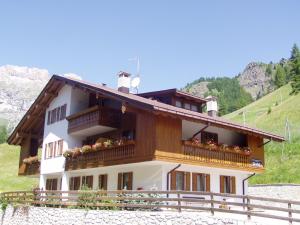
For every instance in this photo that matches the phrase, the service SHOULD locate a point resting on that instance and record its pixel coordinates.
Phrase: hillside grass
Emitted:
(282, 160)
(9, 179)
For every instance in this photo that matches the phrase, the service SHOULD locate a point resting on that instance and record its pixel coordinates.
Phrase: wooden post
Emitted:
(179, 203)
(248, 208)
(290, 213)
(212, 204)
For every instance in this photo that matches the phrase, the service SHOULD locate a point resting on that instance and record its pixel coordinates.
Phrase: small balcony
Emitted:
(221, 156)
(214, 156)
(96, 157)
(94, 120)
(30, 167)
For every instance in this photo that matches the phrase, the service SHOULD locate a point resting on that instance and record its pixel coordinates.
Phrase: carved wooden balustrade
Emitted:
(107, 156)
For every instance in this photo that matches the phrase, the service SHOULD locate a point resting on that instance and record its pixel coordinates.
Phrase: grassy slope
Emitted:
(282, 160)
(9, 179)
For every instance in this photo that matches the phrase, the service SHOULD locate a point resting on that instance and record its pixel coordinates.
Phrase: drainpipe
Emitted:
(245, 180)
(168, 176)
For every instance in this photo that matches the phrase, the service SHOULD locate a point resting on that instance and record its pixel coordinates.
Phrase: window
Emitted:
(87, 181)
(74, 183)
(178, 104)
(194, 108)
(201, 182)
(180, 180)
(51, 184)
(125, 181)
(54, 149)
(102, 182)
(187, 105)
(63, 111)
(207, 136)
(57, 114)
(227, 184)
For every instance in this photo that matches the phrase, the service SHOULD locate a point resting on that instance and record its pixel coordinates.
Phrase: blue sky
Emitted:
(177, 41)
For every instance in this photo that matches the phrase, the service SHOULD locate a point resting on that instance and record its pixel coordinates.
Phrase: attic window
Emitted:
(178, 104)
(194, 108)
(187, 106)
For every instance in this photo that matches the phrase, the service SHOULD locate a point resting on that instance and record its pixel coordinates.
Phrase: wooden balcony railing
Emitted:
(108, 156)
(92, 117)
(30, 169)
(217, 157)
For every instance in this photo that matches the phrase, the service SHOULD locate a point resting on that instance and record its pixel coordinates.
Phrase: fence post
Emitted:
(248, 208)
(179, 202)
(212, 204)
(290, 213)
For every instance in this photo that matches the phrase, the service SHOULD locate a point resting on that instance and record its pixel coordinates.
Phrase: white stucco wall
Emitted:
(224, 136)
(76, 100)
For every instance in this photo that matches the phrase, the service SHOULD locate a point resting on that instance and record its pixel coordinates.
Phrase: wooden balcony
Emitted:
(92, 118)
(193, 154)
(108, 156)
(32, 169)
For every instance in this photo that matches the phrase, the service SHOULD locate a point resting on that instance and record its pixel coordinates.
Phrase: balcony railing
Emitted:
(108, 156)
(218, 157)
(92, 117)
(30, 169)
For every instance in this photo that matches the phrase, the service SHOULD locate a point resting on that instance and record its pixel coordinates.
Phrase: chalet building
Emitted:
(103, 138)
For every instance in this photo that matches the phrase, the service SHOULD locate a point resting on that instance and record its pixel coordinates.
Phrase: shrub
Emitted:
(3, 203)
(86, 149)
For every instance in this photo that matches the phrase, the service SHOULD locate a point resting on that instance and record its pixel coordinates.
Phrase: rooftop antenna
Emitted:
(135, 81)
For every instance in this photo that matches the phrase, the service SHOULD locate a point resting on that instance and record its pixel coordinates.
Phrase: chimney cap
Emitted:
(124, 74)
(211, 98)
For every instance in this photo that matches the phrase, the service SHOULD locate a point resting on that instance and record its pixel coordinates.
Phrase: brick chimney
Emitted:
(123, 82)
(212, 106)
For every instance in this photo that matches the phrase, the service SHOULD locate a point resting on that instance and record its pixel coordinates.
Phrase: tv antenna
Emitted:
(135, 81)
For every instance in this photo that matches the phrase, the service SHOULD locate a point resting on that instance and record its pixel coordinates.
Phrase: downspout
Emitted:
(245, 180)
(168, 176)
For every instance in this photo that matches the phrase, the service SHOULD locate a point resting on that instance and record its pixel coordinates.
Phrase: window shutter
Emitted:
(194, 181)
(233, 191)
(173, 180)
(120, 176)
(54, 184)
(221, 184)
(49, 118)
(48, 184)
(76, 183)
(207, 180)
(63, 110)
(187, 177)
(71, 184)
(130, 181)
(57, 113)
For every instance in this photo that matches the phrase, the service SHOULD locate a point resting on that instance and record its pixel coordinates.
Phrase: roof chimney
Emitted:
(212, 106)
(123, 82)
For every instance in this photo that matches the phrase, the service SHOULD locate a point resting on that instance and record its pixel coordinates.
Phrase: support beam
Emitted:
(264, 143)
(201, 130)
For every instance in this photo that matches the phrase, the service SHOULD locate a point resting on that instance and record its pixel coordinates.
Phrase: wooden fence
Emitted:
(248, 206)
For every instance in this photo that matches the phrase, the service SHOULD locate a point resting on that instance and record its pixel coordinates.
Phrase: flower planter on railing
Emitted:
(217, 156)
(100, 157)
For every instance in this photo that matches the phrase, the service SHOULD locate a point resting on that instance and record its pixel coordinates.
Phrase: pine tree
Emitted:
(3, 134)
(295, 69)
(280, 76)
(269, 69)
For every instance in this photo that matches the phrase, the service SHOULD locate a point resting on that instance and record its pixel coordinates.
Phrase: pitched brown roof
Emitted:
(175, 92)
(56, 82)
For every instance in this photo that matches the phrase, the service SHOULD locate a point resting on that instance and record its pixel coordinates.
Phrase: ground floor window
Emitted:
(102, 182)
(51, 184)
(74, 183)
(201, 182)
(125, 181)
(227, 184)
(87, 181)
(180, 181)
